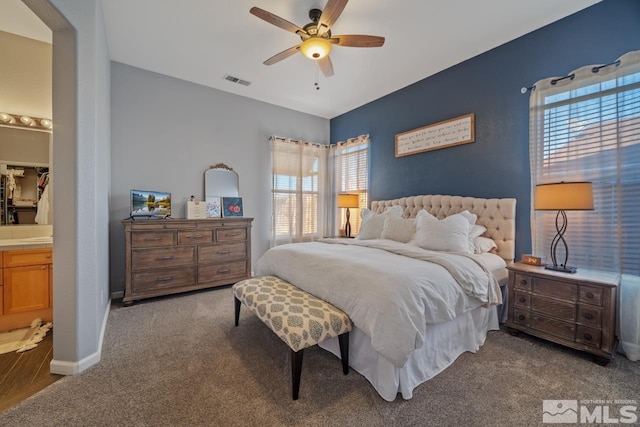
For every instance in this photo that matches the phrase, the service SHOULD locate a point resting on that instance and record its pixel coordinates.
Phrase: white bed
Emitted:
(426, 344)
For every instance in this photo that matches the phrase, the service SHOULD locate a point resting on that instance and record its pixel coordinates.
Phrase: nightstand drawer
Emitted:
(521, 316)
(522, 299)
(555, 327)
(523, 282)
(553, 307)
(590, 316)
(588, 336)
(553, 288)
(590, 295)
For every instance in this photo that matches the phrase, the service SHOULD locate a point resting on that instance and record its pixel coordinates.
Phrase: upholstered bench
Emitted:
(297, 317)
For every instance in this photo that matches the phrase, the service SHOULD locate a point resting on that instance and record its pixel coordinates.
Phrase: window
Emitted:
(351, 166)
(587, 128)
(298, 191)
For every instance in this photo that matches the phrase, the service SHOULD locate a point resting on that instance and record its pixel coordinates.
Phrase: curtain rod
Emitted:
(570, 76)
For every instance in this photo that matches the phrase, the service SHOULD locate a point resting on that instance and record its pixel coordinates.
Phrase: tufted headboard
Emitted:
(498, 215)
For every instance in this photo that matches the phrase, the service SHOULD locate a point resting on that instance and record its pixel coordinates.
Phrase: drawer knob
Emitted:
(195, 237)
(227, 252)
(589, 295)
(587, 337)
(224, 271)
(522, 299)
(588, 316)
(521, 317)
(164, 258)
(523, 281)
(164, 279)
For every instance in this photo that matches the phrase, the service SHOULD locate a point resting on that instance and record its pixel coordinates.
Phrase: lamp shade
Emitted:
(565, 196)
(315, 47)
(348, 200)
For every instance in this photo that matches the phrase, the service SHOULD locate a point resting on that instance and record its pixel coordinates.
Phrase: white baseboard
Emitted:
(62, 367)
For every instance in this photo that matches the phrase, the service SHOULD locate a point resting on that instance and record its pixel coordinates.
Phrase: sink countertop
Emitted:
(26, 243)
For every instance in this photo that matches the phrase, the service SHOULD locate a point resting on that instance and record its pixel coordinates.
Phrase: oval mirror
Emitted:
(221, 181)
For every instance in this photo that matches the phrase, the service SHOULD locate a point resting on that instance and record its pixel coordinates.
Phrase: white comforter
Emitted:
(390, 290)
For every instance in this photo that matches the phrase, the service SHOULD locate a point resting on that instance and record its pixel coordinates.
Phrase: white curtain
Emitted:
(586, 127)
(350, 174)
(299, 191)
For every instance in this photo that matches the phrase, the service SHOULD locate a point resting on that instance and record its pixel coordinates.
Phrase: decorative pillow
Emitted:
(398, 228)
(450, 234)
(484, 244)
(475, 231)
(373, 224)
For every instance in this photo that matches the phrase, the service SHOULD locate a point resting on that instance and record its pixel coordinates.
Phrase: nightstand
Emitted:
(576, 310)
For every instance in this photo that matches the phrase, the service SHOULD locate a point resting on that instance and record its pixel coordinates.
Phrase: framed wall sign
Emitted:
(456, 131)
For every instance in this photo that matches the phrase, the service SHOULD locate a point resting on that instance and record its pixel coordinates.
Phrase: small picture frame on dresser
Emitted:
(214, 207)
(232, 207)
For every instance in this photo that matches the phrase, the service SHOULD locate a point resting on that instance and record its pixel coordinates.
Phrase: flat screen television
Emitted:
(150, 204)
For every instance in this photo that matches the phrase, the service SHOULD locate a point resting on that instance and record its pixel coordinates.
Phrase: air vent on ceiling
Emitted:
(236, 80)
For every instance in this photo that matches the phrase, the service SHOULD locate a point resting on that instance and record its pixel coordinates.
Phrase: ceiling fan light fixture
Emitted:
(315, 47)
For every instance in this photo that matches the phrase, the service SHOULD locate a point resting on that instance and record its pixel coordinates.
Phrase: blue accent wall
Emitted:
(488, 85)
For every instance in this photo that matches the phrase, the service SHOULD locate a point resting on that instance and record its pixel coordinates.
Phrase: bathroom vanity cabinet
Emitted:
(25, 287)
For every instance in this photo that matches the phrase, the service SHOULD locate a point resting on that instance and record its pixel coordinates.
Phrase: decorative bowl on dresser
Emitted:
(576, 310)
(168, 256)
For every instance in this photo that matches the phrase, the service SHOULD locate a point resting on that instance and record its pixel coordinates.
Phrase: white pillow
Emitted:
(483, 245)
(475, 231)
(373, 224)
(450, 234)
(398, 228)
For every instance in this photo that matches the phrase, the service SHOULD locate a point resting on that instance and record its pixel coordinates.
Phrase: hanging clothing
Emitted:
(42, 215)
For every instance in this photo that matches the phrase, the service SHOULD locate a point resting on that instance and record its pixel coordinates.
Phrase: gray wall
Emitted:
(166, 132)
(81, 166)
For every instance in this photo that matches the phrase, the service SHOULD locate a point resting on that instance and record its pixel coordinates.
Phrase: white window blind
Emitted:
(299, 190)
(587, 128)
(351, 175)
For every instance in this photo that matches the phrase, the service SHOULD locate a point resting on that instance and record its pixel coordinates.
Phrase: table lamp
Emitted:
(563, 196)
(348, 201)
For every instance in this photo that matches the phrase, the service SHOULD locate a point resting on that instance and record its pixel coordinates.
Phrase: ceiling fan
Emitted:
(316, 36)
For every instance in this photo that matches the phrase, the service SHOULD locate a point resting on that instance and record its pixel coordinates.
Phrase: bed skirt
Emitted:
(443, 344)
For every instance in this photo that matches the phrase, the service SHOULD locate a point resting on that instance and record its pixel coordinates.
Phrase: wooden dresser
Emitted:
(576, 310)
(168, 256)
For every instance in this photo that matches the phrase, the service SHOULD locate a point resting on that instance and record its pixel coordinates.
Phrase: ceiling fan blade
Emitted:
(276, 20)
(326, 66)
(357, 41)
(282, 55)
(330, 15)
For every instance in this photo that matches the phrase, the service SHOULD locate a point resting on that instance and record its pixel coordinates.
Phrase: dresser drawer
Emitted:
(144, 259)
(590, 295)
(222, 253)
(553, 307)
(522, 299)
(163, 279)
(149, 239)
(523, 282)
(230, 234)
(222, 273)
(590, 316)
(553, 288)
(555, 327)
(194, 237)
(588, 336)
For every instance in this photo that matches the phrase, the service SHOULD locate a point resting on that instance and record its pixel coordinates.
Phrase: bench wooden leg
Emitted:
(237, 309)
(343, 340)
(296, 370)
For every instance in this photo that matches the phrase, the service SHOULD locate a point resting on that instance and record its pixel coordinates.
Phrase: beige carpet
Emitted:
(23, 339)
(179, 361)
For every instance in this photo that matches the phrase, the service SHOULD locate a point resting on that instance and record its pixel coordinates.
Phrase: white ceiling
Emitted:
(202, 40)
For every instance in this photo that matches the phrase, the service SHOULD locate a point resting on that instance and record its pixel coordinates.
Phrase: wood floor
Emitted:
(24, 374)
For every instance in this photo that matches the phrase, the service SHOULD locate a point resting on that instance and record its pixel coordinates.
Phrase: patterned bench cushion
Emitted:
(297, 317)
